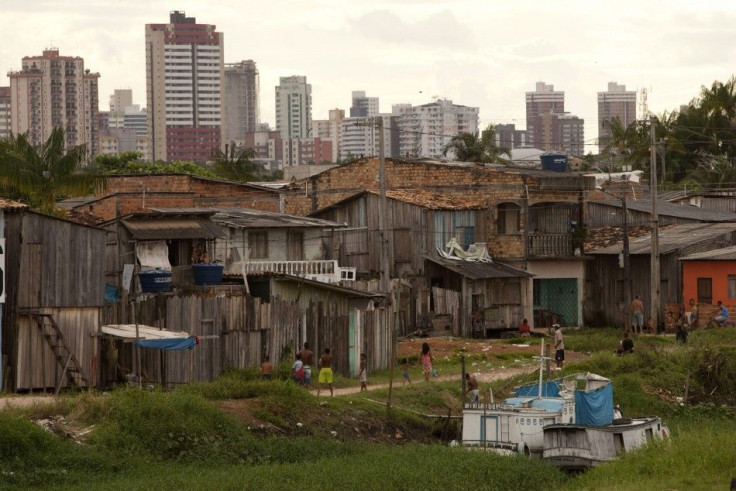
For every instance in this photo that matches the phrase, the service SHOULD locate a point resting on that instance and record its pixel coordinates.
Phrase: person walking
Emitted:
(325, 371)
(559, 348)
(307, 359)
(363, 373)
(426, 358)
(637, 315)
(266, 369)
(405, 371)
(297, 370)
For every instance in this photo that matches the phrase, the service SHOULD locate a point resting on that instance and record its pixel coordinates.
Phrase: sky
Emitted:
(482, 53)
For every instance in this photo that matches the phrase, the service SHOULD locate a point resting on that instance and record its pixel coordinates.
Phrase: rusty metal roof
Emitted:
(436, 201)
(248, 218)
(666, 208)
(672, 238)
(725, 254)
(172, 228)
(476, 270)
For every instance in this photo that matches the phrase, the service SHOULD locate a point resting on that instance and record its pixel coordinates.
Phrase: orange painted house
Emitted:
(710, 276)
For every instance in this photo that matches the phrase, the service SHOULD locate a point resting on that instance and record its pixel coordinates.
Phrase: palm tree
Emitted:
(45, 173)
(237, 164)
(468, 147)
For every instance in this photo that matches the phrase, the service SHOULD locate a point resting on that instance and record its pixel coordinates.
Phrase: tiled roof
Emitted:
(436, 201)
(672, 238)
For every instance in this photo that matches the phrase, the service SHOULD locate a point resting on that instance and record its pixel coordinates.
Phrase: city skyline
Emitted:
(410, 51)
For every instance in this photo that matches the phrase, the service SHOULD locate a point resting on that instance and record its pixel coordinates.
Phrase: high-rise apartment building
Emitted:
(293, 107)
(241, 93)
(184, 74)
(55, 91)
(363, 107)
(120, 99)
(293, 114)
(562, 132)
(617, 102)
(329, 129)
(507, 136)
(544, 100)
(4, 111)
(425, 131)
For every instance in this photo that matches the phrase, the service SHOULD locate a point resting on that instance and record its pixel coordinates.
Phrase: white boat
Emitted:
(516, 424)
(577, 447)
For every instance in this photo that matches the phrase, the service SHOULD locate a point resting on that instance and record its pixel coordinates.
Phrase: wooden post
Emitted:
(462, 376)
(546, 354)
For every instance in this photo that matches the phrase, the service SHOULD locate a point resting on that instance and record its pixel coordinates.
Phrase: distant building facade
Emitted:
(293, 113)
(424, 131)
(184, 73)
(4, 111)
(329, 129)
(544, 100)
(507, 136)
(241, 95)
(363, 107)
(55, 91)
(616, 102)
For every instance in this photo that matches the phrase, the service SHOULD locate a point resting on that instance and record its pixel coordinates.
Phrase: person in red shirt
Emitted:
(525, 329)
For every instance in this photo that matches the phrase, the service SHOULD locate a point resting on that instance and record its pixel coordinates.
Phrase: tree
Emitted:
(44, 174)
(114, 163)
(237, 164)
(469, 147)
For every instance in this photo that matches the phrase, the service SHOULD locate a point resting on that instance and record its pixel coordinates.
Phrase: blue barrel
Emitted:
(155, 280)
(553, 161)
(207, 273)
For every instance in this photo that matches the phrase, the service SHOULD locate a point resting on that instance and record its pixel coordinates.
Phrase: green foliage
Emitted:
(468, 147)
(237, 164)
(157, 168)
(114, 163)
(46, 173)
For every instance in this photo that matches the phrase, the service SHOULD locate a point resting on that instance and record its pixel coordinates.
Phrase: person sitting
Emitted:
(722, 315)
(525, 329)
(626, 345)
(681, 335)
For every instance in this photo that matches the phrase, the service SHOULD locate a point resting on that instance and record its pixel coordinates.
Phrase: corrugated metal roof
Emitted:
(725, 254)
(673, 238)
(172, 228)
(327, 286)
(673, 210)
(476, 270)
(247, 218)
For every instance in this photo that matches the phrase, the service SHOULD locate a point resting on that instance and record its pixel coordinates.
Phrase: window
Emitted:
(732, 286)
(258, 245)
(294, 245)
(508, 218)
(705, 290)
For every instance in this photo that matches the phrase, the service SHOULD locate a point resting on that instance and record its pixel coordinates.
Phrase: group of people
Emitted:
(301, 369)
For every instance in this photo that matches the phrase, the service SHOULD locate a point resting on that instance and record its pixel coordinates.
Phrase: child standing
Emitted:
(266, 369)
(363, 373)
(405, 371)
(297, 369)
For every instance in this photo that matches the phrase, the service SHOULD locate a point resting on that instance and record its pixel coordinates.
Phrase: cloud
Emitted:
(441, 29)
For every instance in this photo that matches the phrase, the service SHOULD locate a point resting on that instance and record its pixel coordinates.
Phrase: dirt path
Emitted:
(497, 374)
(23, 401)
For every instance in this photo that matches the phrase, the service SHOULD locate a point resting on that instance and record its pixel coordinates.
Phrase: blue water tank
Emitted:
(554, 161)
(207, 273)
(155, 280)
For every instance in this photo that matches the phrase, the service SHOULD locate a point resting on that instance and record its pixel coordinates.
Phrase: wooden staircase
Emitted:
(71, 367)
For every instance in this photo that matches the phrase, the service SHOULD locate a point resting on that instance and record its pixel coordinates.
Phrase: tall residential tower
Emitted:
(55, 91)
(240, 93)
(617, 102)
(184, 74)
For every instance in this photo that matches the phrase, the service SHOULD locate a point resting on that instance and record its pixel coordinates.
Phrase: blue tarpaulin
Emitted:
(594, 408)
(171, 344)
(112, 294)
(549, 389)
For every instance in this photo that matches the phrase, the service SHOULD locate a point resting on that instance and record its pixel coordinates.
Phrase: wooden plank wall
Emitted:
(36, 367)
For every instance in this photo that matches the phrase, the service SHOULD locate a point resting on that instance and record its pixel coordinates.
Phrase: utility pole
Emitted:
(654, 281)
(627, 266)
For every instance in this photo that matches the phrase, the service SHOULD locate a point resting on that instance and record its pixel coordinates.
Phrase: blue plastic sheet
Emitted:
(170, 344)
(594, 408)
(549, 389)
(112, 294)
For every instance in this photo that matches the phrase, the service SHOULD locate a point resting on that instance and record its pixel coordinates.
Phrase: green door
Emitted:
(556, 296)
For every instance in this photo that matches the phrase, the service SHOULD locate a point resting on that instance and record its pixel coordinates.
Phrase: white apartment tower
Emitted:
(241, 93)
(4, 111)
(425, 130)
(184, 74)
(617, 102)
(55, 91)
(293, 107)
(120, 99)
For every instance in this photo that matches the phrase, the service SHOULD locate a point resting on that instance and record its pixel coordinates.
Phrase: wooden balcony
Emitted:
(550, 245)
(326, 271)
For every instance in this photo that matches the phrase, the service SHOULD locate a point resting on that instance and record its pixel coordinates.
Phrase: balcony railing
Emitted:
(550, 245)
(322, 270)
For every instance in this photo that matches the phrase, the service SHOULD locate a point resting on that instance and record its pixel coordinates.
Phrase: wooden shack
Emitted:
(604, 289)
(55, 283)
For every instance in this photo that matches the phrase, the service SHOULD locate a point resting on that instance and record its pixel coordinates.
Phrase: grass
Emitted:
(144, 440)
